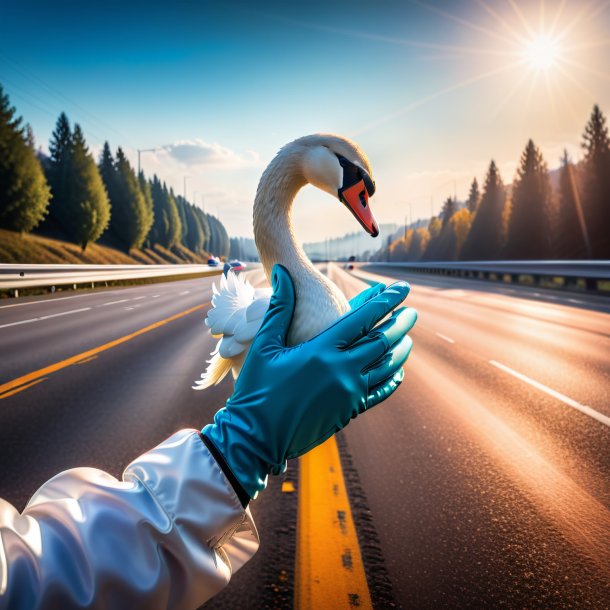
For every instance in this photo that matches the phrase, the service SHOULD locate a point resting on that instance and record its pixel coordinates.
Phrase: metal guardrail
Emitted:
(593, 276)
(15, 277)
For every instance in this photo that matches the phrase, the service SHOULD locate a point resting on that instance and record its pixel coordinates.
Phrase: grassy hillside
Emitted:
(27, 248)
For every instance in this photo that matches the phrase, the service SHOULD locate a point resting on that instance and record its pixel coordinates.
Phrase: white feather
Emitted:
(236, 315)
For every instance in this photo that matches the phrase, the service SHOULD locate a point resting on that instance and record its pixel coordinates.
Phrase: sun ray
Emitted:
(576, 82)
(530, 92)
(583, 14)
(522, 18)
(541, 16)
(464, 22)
(387, 39)
(595, 44)
(551, 96)
(524, 74)
(580, 66)
(501, 21)
(436, 95)
(573, 112)
(558, 15)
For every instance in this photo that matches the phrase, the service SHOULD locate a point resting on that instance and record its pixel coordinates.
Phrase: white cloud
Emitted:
(197, 153)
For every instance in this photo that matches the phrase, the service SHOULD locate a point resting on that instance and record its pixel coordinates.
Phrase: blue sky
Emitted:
(431, 91)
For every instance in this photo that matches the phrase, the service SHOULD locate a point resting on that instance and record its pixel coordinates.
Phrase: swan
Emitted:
(335, 165)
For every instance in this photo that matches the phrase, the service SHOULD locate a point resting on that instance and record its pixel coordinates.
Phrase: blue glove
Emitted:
(366, 295)
(287, 400)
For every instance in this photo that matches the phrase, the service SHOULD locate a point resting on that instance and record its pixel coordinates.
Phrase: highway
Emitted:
(483, 482)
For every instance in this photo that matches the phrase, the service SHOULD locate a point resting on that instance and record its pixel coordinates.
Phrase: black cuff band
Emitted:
(244, 498)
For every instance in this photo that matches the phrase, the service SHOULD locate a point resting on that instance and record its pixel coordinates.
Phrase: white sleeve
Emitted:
(169, 535)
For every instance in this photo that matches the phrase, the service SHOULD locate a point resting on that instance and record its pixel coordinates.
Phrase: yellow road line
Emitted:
(21, 388)
(329, 569)
(87, 360)
(9, 385)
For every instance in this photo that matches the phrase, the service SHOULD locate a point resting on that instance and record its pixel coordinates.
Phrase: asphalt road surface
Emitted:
(483, 482)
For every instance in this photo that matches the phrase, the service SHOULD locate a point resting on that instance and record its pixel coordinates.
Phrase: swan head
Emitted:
(339, 167)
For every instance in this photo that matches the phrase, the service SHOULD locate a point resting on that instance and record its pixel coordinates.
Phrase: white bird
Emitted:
(331, 163)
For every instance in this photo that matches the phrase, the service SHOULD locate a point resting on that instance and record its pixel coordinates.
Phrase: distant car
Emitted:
(349, 265)
(237, 265)
(213, 262)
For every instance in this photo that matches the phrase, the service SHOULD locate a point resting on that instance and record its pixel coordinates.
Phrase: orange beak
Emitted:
(355, 192)
(356, 199)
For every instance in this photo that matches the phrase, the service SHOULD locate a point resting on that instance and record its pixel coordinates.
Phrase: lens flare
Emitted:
(542, 52)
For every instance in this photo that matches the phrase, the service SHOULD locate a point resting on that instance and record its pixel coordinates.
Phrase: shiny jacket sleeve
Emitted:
(169, 535)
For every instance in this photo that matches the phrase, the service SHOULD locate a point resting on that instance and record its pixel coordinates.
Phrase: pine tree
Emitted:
(148, 219)
(419, 243)
(129, 216)
(194, 231)
(181, 204)
(484, 241)
(24, 193)
(473, 197)
(211, 244)
(460, 224)
(166, 227)
(572, 239)
(531, 218)
(59, 168)
(175, 224)
(443, 245)
(434, 227)
(107, 169)
(85, 211)
(596, 176)
(203, 223)
(449, 209)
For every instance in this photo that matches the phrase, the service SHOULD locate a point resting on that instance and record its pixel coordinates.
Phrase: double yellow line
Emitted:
(26, 381)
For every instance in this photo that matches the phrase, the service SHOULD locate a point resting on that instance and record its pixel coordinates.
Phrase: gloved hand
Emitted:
(287, 400)
(366, 295)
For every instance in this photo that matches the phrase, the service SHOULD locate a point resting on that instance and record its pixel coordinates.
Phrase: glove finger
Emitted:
(384, 390)
(366, 295)
(391, 362)
(274, 329)
(357, 323)
(372, 347)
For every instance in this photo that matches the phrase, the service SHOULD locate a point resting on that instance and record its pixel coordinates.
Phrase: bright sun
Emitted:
(542, 52)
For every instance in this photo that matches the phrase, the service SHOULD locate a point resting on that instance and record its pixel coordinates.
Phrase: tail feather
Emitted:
(217, 370)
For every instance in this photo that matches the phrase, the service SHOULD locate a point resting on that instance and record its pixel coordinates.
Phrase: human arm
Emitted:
(169, 535)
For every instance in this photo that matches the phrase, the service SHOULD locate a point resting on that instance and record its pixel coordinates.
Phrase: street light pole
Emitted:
(140, 151)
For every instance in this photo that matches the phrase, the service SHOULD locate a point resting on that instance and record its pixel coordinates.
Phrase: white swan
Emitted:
(333, 164)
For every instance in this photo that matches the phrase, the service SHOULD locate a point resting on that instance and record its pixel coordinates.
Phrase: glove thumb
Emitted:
(276, 323)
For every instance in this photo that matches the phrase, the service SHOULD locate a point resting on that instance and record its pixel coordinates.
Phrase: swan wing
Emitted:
(235, 317)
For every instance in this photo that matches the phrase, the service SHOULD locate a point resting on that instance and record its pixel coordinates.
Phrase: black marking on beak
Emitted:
(353, 174)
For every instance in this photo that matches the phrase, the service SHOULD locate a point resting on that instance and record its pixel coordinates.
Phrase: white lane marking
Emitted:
(576, 301)
(137, 298)
(156, 296)
(114, 302)
(445, 338)
(54, 315)
(558, 395)
(185, 292)
(75, 296)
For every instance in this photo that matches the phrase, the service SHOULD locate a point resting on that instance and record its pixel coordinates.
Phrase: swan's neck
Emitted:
(319, 301)
(273, 230)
